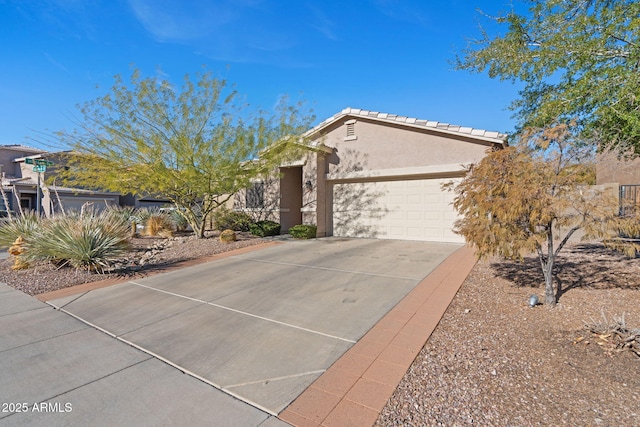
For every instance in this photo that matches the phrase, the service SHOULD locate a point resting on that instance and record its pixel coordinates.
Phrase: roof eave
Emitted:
(408, 122)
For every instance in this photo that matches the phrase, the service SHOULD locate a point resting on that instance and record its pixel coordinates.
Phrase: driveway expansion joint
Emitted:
(44, 339)
(22, 311)
(245, 313)
(286, 377)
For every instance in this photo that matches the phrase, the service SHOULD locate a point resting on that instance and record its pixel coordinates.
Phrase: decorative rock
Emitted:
(228, 236)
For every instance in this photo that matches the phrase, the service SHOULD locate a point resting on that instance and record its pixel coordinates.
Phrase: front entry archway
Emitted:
(290, 197)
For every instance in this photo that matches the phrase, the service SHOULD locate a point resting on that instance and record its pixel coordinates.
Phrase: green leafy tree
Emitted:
(195, 145)
(532, 199)
(578, 59)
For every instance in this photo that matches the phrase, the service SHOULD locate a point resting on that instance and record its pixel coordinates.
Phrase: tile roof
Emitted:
(19, 147)
(429, 124)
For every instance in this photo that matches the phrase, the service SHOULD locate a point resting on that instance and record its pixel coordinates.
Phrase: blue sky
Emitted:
(384, 55)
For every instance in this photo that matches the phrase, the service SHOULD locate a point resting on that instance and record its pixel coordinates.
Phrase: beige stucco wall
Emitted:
(381, 146)
(610, 169)
(271, 209)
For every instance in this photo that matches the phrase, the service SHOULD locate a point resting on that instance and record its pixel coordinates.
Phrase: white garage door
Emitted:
(411, 210)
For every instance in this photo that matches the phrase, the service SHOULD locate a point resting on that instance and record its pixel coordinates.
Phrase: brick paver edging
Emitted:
(354, 390)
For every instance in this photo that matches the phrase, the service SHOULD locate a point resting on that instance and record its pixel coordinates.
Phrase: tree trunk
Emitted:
(547, 269)
(193, 220)
(203, 226)
(549, 292)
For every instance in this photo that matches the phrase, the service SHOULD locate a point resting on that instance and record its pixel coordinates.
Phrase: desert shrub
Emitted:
(228, 236)
(23, 225)
(179, 221)
(613, 335)
(128, 213)
(265, 228)
(158, 224)
(89, 240)
(225, 219)
(303, 231)
(141, 215)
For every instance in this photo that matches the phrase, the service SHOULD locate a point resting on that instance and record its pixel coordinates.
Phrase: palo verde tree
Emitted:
(195, 145)
(578, 59)
(532, 199)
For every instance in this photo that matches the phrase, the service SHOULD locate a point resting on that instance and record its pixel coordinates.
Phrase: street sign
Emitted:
(42, 162)
(28, 161)
(40, 168)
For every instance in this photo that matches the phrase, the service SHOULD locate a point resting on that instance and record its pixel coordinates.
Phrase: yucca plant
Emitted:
(90, 241)
(128, 213)
(24, 225)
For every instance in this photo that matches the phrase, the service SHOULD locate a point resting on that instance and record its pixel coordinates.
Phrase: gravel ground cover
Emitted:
(146, 255)
(494, 361)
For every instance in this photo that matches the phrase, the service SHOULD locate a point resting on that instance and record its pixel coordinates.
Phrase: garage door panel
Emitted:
(415, 232)
(411, 209)
(433, 233)
(397, 231)
(433, 199)
(414, 199)
(414, 215)
(397, 199)
(450, 216)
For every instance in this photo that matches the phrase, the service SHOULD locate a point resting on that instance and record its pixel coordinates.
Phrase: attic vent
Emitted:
(351, 130)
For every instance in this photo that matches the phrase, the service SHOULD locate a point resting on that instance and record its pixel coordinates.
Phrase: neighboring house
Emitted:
(148, 202)
(610, 168)
(370, 174)
(21, 180)
(622, 174)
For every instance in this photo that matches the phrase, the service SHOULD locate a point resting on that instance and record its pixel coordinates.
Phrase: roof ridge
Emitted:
(429, 124)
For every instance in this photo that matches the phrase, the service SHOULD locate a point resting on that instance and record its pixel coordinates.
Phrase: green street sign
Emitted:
(39, 168)
(42, 162)
(28, 161)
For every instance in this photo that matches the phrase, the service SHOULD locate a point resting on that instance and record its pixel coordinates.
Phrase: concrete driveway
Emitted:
(263, 325)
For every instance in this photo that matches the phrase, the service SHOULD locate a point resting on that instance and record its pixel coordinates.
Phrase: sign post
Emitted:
(40, 166)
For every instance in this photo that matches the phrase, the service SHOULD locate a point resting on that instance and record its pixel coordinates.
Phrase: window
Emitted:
(255, 196)
(25, 202)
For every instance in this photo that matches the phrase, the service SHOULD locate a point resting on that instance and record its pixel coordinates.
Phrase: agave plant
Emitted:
(87, 240)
